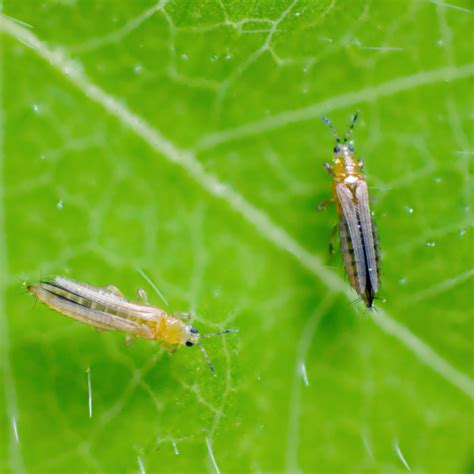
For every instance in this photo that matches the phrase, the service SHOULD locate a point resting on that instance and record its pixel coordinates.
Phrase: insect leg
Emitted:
(328, 168)
(183, 316)
(142, 296)
(129, 340)
(170, 348)
(323, 204)
(113, 289)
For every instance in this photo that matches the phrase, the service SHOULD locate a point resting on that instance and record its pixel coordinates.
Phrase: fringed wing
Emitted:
(105, 297)
(352, 245)
(88, 311)
(369, 236)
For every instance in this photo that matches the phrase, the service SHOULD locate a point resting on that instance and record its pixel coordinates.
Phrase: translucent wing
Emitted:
(348, 253)
(367, 230)
(88, 311)
(351, 221)
(107, 298)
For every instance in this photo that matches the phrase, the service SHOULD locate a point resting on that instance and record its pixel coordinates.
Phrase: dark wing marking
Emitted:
(349, 210)
(378, 254)
(365, 218)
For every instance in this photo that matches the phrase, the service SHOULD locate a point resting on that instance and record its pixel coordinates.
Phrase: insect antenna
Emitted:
(213, 334)
(349, 132)
(204, 353)
(331, 126)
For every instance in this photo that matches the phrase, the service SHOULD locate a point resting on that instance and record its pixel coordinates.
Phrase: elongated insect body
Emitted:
(357, 230)
(108, 310)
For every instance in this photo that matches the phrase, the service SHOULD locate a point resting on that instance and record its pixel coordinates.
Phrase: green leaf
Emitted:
(184, 138)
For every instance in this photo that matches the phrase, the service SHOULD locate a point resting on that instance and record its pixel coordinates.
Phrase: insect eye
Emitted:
(337, 149)
(193, 330)
(189, 344)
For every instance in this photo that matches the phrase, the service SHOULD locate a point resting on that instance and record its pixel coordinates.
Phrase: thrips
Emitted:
(108, 310)
(357, 230)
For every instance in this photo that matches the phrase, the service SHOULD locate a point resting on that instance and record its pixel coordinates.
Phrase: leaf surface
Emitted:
(184, 138)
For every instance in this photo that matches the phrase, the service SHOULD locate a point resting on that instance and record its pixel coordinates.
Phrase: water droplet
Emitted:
(184, 57)
(402, 281)
(410, 210)
(431, 244)
(59, 205)
(438, 179)
(138, 69)
(297, 13)
(214, 58)
(42, 157)
(440, 42)
(36, 108)
(462, 232)
(228, 57)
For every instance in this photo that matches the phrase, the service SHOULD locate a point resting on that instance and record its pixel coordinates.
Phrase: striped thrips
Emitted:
(357, 230)
(108, 310)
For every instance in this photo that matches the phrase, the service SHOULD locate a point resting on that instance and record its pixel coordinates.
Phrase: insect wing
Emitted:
(347, 252)
(378, 254)
(79, 309)
(106, 298)
(351, 219)
(365, 218)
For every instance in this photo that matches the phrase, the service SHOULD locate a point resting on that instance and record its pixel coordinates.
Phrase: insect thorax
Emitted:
(346, 168)
(170, 330)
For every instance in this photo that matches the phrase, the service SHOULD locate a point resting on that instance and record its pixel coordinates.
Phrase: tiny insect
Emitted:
(108, 310)
(357, 230)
